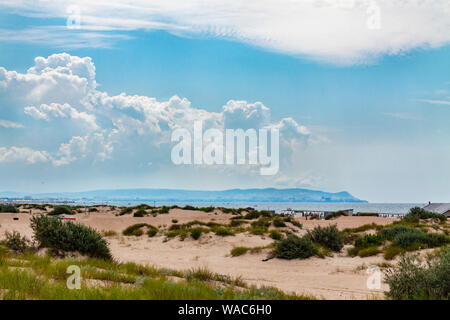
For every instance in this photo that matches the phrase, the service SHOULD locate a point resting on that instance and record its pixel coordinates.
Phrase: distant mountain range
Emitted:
(232, 195)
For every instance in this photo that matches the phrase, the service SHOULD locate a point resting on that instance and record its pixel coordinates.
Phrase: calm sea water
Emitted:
(279, 206)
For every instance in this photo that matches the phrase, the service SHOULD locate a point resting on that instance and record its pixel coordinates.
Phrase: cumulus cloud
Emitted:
(337, 31)
(23, 154)
(55, 110)
(60, 78)
(126, 131)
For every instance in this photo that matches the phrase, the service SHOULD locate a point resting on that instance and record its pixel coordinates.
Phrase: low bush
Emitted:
(140, 213)
(223, 232)
(239, 251)
(276, 235)
(414, 279)
(367, 252)
(294, 247)
(197, 232)
(417, 213)
(174, 221)
(125, 211)
(252, 215)
(389, 233)
(93, 209)
(61, 237)
(261, 223)
(58, 210)
(328, 237)
(368, 241)
(419, 239)
(258, 231)
(163, 210)
(16, 242)
(391, 252)
(135, 230)
(279, 223)
(8, 208)
(152, 231)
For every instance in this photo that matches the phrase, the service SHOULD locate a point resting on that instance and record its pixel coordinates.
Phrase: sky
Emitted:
(360, 91)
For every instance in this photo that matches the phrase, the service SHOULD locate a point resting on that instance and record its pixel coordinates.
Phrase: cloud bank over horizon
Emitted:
(343, 32)
(60, 119)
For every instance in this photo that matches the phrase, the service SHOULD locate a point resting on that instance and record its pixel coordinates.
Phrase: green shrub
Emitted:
(261, 223)
(8, 208)
(93, 209)
(294, 247)
(252, 215)
(174, 221)
(239, 251)
(140, 213)
(258, 231)
(417, 213)
(236, 223)
(389, 233)
(196, 233)
(223, 232)
(367, 252)
(412, 279)
(63, 237)
(163, 210)
(58, 210)
(279, 223)
(419, 240)
(352, 252)
(125, 211)
(135, 230)
(368, 241)
(391, 252)
(175, 227)
(276, 235)
(152, 231)
(15, 242)
(328, 237)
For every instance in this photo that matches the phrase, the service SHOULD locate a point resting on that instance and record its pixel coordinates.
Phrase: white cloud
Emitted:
(327, 30)
(23, 154)
(10, 124)
(125, 131)
(441, 102)
(55, 110)
(60, 78)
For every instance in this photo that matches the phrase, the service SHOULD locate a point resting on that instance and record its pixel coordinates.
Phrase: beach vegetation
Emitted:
(293, 247)
(276, 235)
(59, 210)
(327, 236)
(64, 237)
(412, 278)
(9, 208)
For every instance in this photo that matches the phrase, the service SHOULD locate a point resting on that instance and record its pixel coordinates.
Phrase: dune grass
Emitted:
(29, 276)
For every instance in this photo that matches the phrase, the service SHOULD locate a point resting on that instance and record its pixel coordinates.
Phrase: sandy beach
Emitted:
(336, 277)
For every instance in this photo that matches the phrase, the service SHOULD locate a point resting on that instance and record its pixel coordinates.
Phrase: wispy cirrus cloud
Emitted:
(341, 32)
(430, 101)
(402, 116)
(10, 124)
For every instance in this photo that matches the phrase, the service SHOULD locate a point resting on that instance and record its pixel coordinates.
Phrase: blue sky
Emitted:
(367, 117)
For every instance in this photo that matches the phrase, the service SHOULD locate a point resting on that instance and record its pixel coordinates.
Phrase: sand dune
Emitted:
(337, 277)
